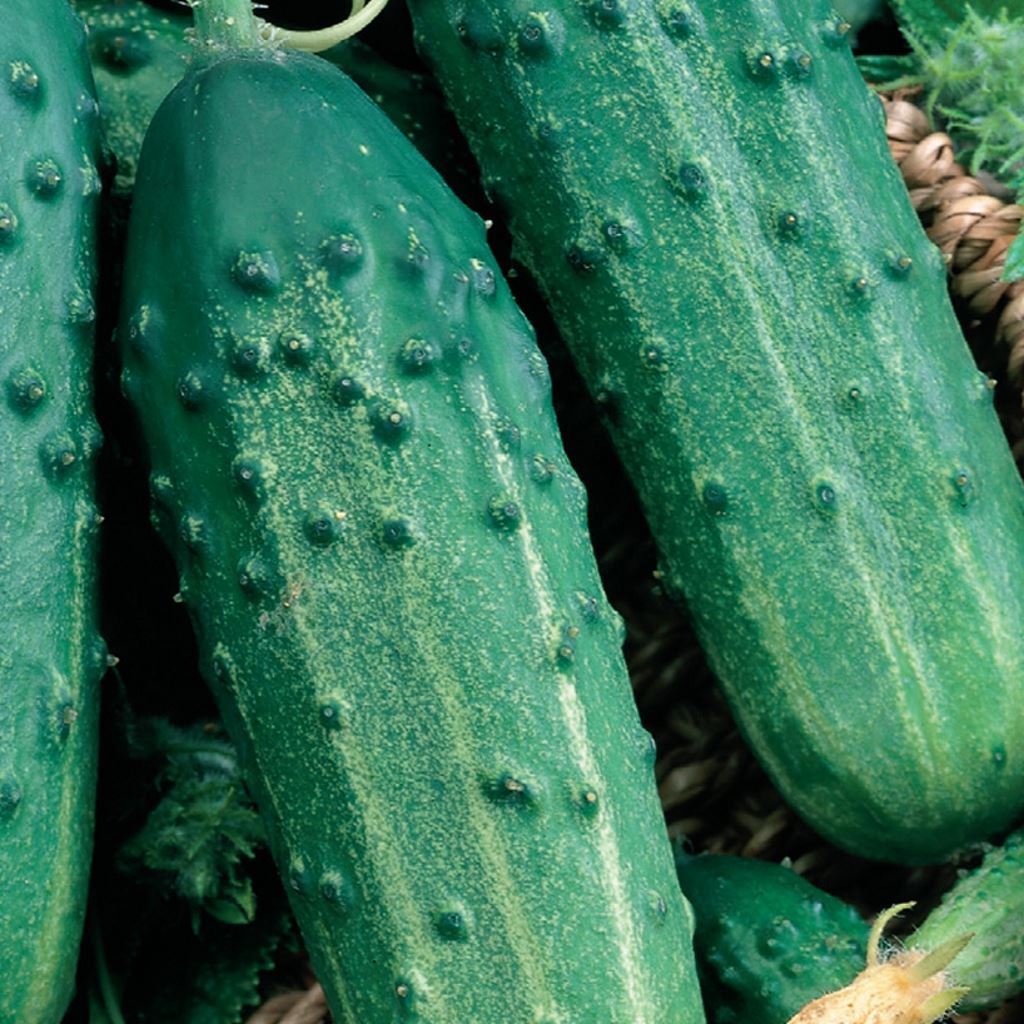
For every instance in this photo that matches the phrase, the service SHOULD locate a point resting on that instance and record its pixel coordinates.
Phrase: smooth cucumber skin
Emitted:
(704, 193)
(384, 552)
(767, 941)
(988, 902)
(51, 657)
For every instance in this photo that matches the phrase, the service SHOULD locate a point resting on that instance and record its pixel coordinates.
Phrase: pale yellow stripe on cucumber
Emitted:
(574, 716)
(380, 839)
(64, 866)
(810, 444)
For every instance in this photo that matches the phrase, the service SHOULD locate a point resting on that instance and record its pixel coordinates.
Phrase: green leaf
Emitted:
(890, 72)
(236, 907)
(1014, 269)
(212, 979)
(197, 839)
(974, 82)
(931, 21)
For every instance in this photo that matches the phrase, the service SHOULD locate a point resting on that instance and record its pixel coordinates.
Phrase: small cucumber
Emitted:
(51, 657)
(705, 195)
(767, 941)
(988, 902)
(384, 552)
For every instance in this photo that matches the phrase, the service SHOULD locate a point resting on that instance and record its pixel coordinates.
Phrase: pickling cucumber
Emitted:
(51, 657)
(139, 53)
(989, 903)
(705, 195)
(767, 941)
(384, 551)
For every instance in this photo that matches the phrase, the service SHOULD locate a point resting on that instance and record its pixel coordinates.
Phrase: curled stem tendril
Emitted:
(362, 13)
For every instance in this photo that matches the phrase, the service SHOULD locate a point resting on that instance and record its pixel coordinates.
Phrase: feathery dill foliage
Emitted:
(188, 913)
(971, 74)
(975, 83)
(200, 836)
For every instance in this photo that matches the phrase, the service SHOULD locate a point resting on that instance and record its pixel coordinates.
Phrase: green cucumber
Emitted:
(139, 53)
(705, 194)
(51, 657)
(384, 552)
(767, 941)
(988, 902)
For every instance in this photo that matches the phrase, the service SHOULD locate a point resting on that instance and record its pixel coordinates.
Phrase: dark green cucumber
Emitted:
(384, 551)
(705, 195)
(767, 941)
(413, 101)
(988, 902)
(139, 53)
(51, 657)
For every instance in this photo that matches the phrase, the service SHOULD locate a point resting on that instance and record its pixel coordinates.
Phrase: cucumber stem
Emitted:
(226, 24)
(361, 14)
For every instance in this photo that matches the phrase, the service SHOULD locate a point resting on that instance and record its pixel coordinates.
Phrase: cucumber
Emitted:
(51, 657)
(767, 941)
(384, 552)
(705, 196)
(139, 53)
(988, 902)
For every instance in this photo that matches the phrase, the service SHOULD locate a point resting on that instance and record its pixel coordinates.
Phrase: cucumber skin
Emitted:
(51, 657)
(401, 619)
(139, 54)
(829, 488)
(767, 941)
(988, 901)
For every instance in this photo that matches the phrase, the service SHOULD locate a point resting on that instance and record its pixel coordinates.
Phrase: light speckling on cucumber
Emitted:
(705, 195)
(385, 554)
(51, 657)
(987, 902)
(138, 54)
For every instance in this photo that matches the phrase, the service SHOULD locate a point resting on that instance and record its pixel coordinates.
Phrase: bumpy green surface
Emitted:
(51, 657)
(139, 53)
(988, 901)
(767, 941)
(384, 552)
(705, 194)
